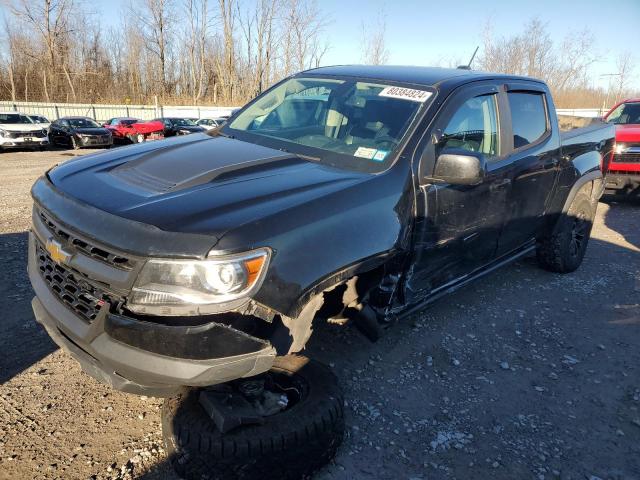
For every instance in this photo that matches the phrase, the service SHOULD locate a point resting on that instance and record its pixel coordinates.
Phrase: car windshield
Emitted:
(14, 118)
(344, 122)
(625, 114)
(183, 122)
(82, 123)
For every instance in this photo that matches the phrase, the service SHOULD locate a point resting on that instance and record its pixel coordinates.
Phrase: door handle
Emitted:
(500, 184)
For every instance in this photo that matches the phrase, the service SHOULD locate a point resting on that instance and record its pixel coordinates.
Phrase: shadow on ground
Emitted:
(22, 341)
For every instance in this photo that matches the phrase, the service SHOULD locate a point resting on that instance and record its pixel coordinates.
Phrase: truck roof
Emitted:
(426, 76)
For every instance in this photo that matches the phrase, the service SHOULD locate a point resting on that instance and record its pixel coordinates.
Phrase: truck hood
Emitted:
(198, 183)
(627, 133)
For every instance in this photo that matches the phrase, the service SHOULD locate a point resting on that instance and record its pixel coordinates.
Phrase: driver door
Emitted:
(458, 226)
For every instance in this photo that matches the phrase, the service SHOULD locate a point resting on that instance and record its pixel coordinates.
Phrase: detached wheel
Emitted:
(291, 444)
(563, 251)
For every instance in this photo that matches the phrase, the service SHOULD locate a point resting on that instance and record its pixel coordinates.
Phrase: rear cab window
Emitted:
(529, 117)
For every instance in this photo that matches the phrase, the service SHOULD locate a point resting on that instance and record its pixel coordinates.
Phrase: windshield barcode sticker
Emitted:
(405, 94)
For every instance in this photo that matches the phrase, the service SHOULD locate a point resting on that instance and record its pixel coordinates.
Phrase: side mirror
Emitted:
(460, 167)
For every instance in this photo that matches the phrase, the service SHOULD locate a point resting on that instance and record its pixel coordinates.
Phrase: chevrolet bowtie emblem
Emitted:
(56, 252)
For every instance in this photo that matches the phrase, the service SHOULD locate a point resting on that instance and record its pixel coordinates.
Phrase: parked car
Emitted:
(17, 130)
(211, 123)
(40, 120)
(79, 132)
(624, 170)
(133, 130)
(348, 194)
(179, 126)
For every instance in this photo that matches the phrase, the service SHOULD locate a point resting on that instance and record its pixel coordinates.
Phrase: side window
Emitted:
(528, 117)
(474, 127)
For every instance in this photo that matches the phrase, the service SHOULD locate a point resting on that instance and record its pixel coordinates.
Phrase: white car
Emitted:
(210, 123)
(17, 130)
(41, 120)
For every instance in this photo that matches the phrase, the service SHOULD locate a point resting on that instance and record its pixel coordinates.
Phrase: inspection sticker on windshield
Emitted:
(365, 152)
(379, 156)
(405, 94)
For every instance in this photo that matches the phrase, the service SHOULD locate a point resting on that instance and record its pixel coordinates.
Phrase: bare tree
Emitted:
(564, 66)
(50, 21)
(303, 45)
(373, 44)
(198, 29)
(155, 19)
(625, 65)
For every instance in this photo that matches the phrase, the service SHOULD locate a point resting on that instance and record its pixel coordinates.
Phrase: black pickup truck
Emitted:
(350, 194)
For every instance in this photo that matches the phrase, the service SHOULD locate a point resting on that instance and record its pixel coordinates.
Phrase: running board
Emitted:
(456, 284)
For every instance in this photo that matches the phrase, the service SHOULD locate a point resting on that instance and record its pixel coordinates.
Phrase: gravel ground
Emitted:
(524, 374)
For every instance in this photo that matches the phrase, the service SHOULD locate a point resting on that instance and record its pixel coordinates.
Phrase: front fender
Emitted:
(329, 239)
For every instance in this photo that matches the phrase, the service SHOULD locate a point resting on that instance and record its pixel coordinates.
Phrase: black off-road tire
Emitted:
(289, 445)
(563, 251)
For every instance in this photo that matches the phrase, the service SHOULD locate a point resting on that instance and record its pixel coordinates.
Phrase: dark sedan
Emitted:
(79, 132)
(179, 126)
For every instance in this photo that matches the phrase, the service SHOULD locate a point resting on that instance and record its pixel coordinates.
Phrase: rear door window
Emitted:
(528, 117)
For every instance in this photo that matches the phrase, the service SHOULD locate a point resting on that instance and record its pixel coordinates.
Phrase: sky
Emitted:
(427, 32)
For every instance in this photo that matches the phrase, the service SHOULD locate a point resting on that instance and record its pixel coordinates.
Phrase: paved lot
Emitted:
(524, 374)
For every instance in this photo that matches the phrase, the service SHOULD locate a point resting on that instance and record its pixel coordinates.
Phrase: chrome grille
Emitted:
(110, 258)
(78, 295)
(626, 158)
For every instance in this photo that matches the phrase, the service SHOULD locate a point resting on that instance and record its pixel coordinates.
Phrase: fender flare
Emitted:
(594, 177)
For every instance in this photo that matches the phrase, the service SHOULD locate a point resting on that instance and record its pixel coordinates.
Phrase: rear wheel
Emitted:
(564, 250)
(291, 444)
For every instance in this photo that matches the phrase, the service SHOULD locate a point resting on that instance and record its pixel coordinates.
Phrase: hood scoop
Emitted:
(166, 171)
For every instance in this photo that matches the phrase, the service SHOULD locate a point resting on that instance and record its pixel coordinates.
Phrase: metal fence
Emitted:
(102, 113)
(581, 112)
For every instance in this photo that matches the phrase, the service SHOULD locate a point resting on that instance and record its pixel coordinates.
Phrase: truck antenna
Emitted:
(468, 66)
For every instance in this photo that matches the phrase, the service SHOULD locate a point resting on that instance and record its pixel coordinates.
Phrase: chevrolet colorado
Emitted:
(348, 194)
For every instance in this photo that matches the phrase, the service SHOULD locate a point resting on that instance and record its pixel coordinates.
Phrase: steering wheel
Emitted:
(385, 141)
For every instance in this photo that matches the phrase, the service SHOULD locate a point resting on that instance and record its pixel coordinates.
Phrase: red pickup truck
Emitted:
(624, 169)
(133, 130)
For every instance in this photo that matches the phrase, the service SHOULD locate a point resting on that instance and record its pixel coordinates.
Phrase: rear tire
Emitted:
(290, 445)
(564, 250)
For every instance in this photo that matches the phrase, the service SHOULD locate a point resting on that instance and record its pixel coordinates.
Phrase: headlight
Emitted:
(620, 147)
(3, 133)
(196, 287)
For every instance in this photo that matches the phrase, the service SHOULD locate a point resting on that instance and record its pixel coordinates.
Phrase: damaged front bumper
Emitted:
(143, 357)
(78, 286)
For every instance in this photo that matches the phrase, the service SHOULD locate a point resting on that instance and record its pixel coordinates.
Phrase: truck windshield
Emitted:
(625, 114)
(344, 122)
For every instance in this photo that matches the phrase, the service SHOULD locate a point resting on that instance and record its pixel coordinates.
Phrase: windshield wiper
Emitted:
(301, 155)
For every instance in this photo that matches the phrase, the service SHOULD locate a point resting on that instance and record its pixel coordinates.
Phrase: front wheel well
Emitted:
(328, 304)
